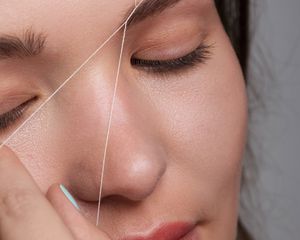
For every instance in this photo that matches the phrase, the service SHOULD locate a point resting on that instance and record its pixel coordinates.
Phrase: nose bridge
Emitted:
(135, 159)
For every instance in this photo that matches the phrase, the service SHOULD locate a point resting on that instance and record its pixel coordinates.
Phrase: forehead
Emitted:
(56, 13)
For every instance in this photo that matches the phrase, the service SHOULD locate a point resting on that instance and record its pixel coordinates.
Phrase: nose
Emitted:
(135, 158)
(136, 162)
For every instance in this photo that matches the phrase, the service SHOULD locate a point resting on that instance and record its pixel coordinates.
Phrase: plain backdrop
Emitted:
(274, 94)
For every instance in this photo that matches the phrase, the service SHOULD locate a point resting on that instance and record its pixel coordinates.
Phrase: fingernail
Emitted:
(69, 196)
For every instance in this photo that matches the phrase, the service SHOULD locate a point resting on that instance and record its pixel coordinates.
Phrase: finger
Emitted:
(25, 213)
(71, 215)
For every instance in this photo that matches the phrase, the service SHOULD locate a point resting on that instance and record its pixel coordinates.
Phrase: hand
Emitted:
(25, 213)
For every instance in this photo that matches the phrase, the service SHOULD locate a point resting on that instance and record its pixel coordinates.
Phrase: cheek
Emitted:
(32, 144)
(208, 112)
(61, 135)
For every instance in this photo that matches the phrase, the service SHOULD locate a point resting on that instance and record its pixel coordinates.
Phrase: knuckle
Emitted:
(17, 203)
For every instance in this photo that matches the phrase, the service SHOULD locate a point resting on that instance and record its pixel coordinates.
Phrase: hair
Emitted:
(235, 17)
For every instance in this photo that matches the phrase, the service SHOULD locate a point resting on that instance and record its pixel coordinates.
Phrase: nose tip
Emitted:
(134, 177)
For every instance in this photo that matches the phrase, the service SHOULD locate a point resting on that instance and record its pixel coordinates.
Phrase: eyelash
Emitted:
(200, 55)
(7, 119)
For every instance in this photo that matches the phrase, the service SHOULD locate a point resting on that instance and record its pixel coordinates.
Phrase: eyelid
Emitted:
(8, 118)
(170, 48)
(12, 101)
(197, 56)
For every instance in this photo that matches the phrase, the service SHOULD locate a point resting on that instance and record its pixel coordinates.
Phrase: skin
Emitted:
(176, 140)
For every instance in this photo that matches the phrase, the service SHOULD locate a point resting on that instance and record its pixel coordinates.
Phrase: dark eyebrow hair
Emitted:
(149, 8)
(28, 45)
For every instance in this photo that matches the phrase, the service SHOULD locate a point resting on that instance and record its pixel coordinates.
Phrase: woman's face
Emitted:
(179, 121)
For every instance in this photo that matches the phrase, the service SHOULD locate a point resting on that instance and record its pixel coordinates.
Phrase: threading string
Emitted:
(109, 122)
(59, 88)
(111, 111)
(69, 78)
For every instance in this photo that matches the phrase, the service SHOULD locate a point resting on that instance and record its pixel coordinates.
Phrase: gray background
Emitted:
(274, 189)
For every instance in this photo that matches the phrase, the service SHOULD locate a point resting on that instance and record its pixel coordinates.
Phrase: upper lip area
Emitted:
(167, 231)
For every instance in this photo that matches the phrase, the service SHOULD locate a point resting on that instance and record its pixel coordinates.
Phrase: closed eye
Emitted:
(9, 118)
(199, 55)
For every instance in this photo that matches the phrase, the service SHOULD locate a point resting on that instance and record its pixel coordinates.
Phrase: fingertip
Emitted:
(61, 198)
(58, 192)
(69, 196)
(52, 191)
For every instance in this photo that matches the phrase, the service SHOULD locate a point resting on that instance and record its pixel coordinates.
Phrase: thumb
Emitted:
(69, 211)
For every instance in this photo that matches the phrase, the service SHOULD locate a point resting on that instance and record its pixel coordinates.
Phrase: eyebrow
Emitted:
(30, 44)
(149, 8)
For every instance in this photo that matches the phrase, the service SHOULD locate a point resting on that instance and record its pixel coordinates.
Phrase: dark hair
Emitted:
(235, 17)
